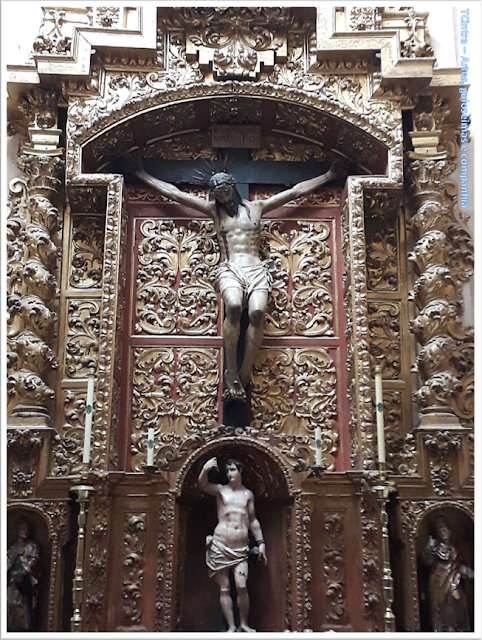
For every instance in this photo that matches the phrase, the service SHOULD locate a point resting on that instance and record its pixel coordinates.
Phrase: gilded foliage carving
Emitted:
(168, 256)
(384, 326)
(362, 18)
(162, 543)
(87, 252)
(334, 568)
(308, 375)
(69, 447)
(301, 265)
(401, 448)
(441, 447)
(236, 40)
(191, 146)
(133, 563)
(175, 391)
(382, 260)
(82, 337)
(24, 446)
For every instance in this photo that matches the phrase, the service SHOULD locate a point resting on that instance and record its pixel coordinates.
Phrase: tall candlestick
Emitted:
(89, 408)
(318, 454)
(150, 447)
(379, 411)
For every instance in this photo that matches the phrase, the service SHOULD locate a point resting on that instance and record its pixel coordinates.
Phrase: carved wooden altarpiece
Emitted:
(106, 276)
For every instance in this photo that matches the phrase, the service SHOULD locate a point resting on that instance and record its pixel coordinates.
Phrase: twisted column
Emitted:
(436, 293)
(32, 265)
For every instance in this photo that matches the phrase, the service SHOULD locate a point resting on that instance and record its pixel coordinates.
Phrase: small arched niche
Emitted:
(461, 529)
(40, 534)
(197, 595)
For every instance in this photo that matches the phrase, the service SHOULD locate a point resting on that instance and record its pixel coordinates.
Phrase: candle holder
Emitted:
(83, 492)
(384, 488)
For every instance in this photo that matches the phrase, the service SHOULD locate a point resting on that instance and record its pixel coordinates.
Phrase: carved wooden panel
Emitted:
(175, 285)
(174, 328)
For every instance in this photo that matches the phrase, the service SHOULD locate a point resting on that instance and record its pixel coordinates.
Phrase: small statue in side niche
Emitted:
(448, 604)
(228, 548)
(22, 580)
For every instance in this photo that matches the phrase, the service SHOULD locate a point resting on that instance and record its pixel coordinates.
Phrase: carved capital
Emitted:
(426, 178)
(42, 171)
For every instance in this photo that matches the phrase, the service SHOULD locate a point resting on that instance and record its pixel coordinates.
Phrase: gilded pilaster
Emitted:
(33, 225)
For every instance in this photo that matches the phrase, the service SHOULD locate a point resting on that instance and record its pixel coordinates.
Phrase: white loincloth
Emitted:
(247, 278)
(219, 556)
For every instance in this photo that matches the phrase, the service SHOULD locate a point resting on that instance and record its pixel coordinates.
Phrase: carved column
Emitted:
(442, 259)
(32, 270)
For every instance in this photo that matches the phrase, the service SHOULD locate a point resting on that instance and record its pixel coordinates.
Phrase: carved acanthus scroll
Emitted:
(175, 291)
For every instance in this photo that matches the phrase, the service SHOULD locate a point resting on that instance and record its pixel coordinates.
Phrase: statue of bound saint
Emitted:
(448, 605)
(22, 580)
(228, 548)
(242, 278)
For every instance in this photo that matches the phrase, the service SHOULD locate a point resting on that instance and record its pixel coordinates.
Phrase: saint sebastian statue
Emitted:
(227, 549)
(448, 606)
(242, 277)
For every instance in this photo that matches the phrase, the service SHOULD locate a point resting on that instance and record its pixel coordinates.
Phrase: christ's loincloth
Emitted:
(219, 556)
(247, 278)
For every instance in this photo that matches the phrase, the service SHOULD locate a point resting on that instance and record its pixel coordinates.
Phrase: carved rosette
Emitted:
(442, 259)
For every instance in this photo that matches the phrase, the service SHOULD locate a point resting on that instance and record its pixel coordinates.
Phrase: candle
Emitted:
(89, 408)
(379, 412)
(318, 454)
(150, 447)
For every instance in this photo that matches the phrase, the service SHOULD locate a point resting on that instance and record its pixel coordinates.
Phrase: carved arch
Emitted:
(376, 123)
(226, 444)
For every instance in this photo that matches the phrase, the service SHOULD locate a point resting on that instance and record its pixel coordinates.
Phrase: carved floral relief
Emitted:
(175, 291)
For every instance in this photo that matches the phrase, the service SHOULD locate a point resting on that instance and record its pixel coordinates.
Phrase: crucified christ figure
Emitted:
(242, 277)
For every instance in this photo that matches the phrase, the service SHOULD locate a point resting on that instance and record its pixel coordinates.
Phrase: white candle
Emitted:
(89, 408)
(379, 412)
(150, 447)
(318, 454)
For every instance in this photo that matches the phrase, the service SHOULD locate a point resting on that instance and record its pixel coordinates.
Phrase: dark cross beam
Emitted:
(244, 170)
